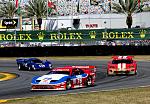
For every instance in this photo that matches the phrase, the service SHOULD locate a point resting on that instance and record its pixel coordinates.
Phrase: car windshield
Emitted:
(122, 61)
(36, 61)
(59, 72)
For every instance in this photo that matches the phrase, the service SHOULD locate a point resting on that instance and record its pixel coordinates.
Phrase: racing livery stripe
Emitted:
(123, 65)
(119, 66)
(8, 76)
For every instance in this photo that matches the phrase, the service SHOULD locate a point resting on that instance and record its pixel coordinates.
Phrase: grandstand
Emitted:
(92, 14)
(77, 7)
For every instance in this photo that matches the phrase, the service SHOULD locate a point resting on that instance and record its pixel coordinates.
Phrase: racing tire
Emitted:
(29, 68)
(135, 72)
(68, 85)
(110, 75)
(19, 67)
(89, 81)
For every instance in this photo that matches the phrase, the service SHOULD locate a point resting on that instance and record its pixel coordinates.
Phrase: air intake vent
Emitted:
(38, 80)
(54, 80)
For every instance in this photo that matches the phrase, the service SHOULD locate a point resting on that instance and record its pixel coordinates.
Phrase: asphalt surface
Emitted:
(20, 86)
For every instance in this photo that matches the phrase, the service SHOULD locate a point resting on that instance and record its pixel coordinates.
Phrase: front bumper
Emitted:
(127, 71)
(48, 87)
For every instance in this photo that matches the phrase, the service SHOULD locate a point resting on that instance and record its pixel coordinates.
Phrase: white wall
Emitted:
(105, 20)
(117, 20)
(112, 21)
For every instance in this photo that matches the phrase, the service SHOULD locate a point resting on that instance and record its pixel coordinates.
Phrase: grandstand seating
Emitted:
(70, 7)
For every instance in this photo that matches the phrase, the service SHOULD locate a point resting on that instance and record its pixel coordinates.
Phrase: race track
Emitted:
(20, 86)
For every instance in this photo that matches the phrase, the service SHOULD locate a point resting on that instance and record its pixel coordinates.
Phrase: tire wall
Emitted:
(73, 51)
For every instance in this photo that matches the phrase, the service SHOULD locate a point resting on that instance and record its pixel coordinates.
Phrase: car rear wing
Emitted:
(92, 68)
(122, 57)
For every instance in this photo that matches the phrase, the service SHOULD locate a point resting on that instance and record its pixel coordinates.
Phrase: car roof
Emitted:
(33, 58)
(122, 57)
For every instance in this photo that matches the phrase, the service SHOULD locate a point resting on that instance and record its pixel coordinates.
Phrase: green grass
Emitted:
(123, 96)
(2, 76)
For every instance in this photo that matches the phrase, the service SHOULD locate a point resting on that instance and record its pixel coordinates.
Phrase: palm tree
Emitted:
(127, 7)
(147, 6)
(36, 8)
(8, 9)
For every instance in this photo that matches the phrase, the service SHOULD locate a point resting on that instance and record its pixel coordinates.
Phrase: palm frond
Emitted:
(117, 8)
(7, 9)
(127, 6)
(123, 6)
(36, 8)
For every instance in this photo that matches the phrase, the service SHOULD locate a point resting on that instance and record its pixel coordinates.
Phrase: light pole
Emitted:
(105, 26)
(15, 36)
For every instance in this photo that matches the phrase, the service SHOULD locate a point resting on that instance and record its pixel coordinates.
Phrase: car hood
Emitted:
(46, 79)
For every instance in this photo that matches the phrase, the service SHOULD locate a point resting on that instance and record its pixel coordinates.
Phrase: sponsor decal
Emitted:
(41, 36)
(91, 25)
(142, 33)
(65, 36)
(117, 35)
(72, 35)
(14, 37)
(92, 34)
(47, 79)
(42, 66)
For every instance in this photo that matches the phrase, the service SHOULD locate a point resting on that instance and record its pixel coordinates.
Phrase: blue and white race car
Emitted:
(33, 64)
(65, 78)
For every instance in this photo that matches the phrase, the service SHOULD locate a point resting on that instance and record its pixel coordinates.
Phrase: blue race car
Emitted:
(33, 64)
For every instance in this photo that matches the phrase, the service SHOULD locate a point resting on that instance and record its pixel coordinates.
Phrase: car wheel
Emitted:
(68, 85)
(135, 72)
(19, 67)
(108, 73)
(29, 68)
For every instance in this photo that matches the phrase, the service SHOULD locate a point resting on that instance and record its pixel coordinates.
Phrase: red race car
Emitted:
(64, 78)
(122, 65)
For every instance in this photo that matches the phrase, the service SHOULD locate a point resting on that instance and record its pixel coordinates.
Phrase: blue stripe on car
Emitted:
(34, 79)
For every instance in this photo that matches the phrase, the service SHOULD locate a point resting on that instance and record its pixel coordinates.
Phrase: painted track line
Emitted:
(8, 76)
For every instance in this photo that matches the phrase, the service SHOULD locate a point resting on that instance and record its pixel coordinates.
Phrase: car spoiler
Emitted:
(122, 57)
(83, 67)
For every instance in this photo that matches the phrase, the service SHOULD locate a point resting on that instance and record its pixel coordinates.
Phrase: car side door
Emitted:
(77, 75)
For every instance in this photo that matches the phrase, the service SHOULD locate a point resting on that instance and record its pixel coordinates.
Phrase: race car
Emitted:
(33, 64)
(122, 65)
(65, 78)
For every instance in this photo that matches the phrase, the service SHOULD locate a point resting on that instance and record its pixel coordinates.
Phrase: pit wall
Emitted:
(73, 51)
